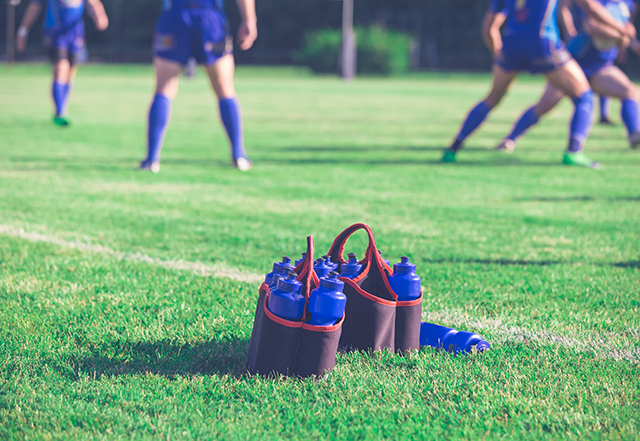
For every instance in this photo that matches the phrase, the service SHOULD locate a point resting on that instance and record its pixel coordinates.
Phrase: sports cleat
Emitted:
(150, 166)
(449, 156)
(606, 121)
(634, 140)
(506, 145)
(581, 160)
(61, 121)
(242, 164)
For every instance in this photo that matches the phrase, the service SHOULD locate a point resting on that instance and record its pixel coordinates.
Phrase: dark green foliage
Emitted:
(380, 51)
(320, 51)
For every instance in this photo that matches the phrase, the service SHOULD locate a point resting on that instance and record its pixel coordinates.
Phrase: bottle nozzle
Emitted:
(286, 259)
(333, 275)
(404, 259)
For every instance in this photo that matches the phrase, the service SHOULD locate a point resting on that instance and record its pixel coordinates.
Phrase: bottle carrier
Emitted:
(374, 319)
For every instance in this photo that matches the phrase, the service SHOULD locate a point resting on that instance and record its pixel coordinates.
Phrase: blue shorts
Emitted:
(535, 55)
(591, 67)
(65, 44)
(202, 33)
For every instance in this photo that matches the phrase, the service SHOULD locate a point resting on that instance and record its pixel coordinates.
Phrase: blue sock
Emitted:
(630, 115)
(527, 120)
(159, 116)
(581, 122)
(604, 107)
(67, 93)
(231, 116)
(59, 93)
(474, 120)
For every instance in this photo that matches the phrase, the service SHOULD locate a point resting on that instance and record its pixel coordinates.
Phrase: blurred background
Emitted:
(393, 36)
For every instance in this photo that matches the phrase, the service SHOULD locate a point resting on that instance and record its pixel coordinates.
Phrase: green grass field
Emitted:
(127, 299)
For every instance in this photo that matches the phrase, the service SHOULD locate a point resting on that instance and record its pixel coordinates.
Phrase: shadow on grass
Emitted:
(167, 358)
(630, 264)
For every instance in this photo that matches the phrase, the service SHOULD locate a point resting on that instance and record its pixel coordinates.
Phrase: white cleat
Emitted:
(634, 140)
(150, 166)
(243, 164)
(507, 145)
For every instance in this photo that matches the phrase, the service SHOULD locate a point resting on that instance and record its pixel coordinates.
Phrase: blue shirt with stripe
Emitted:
(534, 18)
(173, 5)
(62, 14)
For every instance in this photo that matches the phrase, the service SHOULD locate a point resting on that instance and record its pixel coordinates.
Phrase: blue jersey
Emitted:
(172, 5)
(593, 53)
(529, 18)
(62, 14)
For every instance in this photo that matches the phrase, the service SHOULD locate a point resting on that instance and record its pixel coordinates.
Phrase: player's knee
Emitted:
(585, 101)
(633, 92)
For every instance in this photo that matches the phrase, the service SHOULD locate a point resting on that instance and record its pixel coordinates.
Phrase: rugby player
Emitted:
(595, 48)
(65, 40)
(198, 28)
(532, 43)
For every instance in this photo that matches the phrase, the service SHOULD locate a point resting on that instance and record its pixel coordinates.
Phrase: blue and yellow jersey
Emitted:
(590, 51)
(172, 5)
(62, 14)
(535, 18)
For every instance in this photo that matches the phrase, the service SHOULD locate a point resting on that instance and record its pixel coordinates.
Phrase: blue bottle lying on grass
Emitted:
(351, 268)
(327, 302)
(286, 300)
(451, 339)
(404, 281)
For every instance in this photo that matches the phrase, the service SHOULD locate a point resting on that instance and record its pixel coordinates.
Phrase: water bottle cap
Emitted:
(353, 257)
(404, 266)
(289, 283)
(332, 282)
(320, 262)
(286, 259)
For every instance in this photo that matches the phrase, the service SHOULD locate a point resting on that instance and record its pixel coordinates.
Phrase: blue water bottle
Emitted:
(299, 261)
(286, 300)
(385, 260)
(352, 268)
(404, 281)
(450, 339)
(279, 267)
(329, 263)
(327, 302)
(321, 268)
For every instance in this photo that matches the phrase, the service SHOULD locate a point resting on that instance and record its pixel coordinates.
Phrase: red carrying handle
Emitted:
(305, 271)
(337, 248)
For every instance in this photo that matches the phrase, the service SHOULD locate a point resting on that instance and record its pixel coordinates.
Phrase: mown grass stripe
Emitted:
(608, 345)
(180, 265)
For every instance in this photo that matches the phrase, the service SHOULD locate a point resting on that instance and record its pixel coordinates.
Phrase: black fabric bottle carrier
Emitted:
(374, 318)
(292, 347)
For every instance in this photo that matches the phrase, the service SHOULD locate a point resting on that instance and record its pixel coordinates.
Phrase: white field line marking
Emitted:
(198, 268)
(610, 345)
(618, 346)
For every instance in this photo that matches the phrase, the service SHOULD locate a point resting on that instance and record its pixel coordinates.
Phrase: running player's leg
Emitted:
(550, 99)
(61, 68)
(221, 75)
(611, 81)
(502, 79)
(605, 110)
(167, 81)
(76, 42)
(571, 79)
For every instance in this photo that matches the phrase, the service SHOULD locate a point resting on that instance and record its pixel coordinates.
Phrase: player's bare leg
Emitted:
(548, 101)
(611, 81)
(167, 82)
(221, 76)
(501, 81)
(572, 81)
